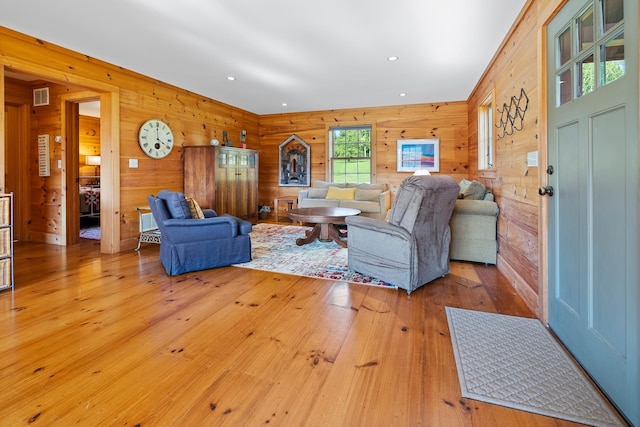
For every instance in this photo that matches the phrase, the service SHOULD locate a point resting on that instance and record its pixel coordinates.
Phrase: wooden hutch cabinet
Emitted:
(224, 179)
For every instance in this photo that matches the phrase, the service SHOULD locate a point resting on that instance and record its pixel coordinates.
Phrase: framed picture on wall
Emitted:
(418, 154)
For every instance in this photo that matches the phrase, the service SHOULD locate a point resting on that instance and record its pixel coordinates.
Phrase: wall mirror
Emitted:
(295, 162)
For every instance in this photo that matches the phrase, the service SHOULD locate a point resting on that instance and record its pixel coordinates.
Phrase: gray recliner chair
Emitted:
(411, 249)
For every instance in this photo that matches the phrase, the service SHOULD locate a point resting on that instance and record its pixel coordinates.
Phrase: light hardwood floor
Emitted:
(90, 339)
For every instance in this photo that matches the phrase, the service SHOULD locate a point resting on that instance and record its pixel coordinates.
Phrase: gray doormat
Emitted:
(515, 362)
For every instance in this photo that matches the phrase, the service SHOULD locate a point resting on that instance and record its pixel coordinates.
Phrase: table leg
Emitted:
(310, 236)
(337, 235)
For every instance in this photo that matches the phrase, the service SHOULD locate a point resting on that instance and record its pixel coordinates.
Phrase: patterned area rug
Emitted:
(92, 233)
(515, 362)
(274, 248)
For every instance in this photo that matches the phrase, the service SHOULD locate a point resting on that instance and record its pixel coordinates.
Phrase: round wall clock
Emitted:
(155, 139)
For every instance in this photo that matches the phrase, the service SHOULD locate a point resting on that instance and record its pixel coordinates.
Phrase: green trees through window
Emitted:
(590, 50)
(350, 149)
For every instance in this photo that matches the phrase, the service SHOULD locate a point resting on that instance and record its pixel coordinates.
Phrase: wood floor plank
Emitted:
(93, 339)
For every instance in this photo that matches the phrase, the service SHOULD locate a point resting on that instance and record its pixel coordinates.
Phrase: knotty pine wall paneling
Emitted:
(518, 64)
(89, 144)
(17, 173)
(46, 216)
(194, 120)
(446, 121)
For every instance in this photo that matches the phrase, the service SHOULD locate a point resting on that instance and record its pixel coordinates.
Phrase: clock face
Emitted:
(155, 139)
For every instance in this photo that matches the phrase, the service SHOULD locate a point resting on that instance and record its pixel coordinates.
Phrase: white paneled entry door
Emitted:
(594, 298)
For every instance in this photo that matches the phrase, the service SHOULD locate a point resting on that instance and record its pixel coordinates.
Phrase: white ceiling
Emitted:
(310, 54)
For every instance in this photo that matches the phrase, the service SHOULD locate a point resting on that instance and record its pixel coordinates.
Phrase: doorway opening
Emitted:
(89, 169)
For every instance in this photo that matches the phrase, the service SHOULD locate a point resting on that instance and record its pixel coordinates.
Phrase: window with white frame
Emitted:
(485, 133)
(350, 154)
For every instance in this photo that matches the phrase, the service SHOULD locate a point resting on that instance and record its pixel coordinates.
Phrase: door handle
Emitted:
(548, 190)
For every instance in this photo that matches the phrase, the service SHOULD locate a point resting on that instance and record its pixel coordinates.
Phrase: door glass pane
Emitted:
(564, 46)
(586, 76)
(612, 13)
(565, 82)
(612, 64)
(585, 30)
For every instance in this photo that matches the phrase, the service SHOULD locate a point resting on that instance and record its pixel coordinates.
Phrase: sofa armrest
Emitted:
(385, 201)
(475, 207)
(302, 194)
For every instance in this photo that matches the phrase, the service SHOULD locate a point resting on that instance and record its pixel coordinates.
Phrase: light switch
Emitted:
(133, 163)
(532, 158)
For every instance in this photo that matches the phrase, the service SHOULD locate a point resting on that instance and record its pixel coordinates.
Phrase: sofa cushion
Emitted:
(341, 193)
(369, 195)
(317, 193)
(362, 205)
(474, 191)
(488, 196)
(327, 184)
(319, 203)
(194, 208)
(381, 187)
(176, 204)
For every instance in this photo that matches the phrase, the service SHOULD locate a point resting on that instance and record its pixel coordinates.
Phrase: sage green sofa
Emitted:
(474, 225)
(373, 200)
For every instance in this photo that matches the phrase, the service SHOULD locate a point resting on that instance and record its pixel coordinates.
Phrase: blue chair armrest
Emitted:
(244, 227)
(194, 230)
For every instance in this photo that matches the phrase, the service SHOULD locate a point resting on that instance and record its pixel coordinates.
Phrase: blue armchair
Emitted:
(190, 244)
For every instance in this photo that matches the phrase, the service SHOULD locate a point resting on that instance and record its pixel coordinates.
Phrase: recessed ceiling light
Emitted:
(284, 104)
(392, 58)
(231, 78)
(403, 94)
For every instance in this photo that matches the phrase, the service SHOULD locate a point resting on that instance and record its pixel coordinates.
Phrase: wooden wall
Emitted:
(517, 65)
(45, 199)
(89, 143)
(446, 121)
(194, 120)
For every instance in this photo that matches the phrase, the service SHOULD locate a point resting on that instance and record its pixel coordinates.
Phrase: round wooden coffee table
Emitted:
(326, 222)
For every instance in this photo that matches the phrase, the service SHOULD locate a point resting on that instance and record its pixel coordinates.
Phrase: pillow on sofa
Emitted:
(341, 193)
(317, 193)
(176, 204)
(464, 183)
(474, 191)
(368, 195)
(194, 208)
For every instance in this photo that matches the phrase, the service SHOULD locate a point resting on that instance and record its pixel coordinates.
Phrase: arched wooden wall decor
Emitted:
(295, 162)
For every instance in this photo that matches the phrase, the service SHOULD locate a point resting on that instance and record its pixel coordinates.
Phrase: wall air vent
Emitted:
(41, 97)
